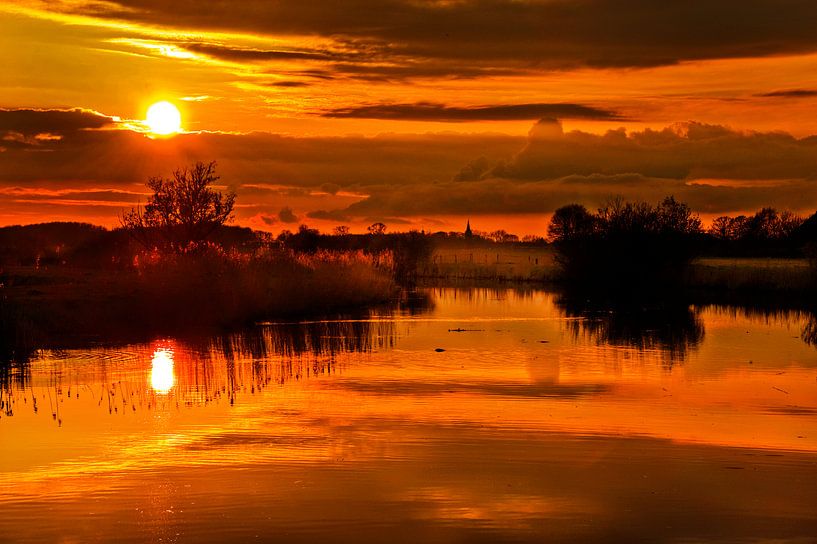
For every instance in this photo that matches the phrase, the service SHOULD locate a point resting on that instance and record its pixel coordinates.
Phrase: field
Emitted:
(500, 262)
(751, 274)
(515, 263)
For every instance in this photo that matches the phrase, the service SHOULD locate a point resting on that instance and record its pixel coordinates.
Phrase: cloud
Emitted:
(266, 219)
(31, 122)
(330, 188)
(790, 93)
(353, 179)
(682, 151)
(470, 35)
(122, 156)
(286, 215)
(429, 111)
(256, 55)
(713, 168)
(335, 215)
(287, 84)
(402, 69)
(510, 197)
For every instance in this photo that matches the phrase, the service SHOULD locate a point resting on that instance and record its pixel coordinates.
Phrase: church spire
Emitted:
(468, 232)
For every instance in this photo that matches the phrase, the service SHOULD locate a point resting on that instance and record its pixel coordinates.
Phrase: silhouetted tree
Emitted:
(306, 240)
(182, 210)
(570, 221)
(767, 232)
(721, 228)
(625, 243)
(410, 250)
(376, 229)
(764, 225)
(789, 223)
(673, 217)
(502, 236)
(340, 230)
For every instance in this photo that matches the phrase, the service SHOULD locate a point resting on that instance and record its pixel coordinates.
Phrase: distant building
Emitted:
(468, 232)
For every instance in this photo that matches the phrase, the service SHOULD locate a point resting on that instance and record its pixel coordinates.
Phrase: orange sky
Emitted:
(417, 113)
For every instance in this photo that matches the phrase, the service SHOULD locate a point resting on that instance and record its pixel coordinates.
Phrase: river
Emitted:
(466, 415)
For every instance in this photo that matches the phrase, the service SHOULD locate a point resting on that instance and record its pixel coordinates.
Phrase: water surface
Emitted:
(485, 416)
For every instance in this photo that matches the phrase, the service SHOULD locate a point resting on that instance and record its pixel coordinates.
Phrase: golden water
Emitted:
(538, 422)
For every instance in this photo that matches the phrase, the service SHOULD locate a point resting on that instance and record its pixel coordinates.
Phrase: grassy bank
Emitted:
(56, 306)
(752, 274)
(503, 262)
(498, 262)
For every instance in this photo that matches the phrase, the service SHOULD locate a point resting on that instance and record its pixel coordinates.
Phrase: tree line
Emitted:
(629, 241)
(640, 244)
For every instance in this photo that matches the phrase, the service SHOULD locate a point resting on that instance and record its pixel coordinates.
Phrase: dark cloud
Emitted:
(529, 35)
(286, 215)
(267, 219)
(31, 122)
(713, 168)
(255, 55)
(504, 196)
(330, 188)
(387, 219)
(335, 215)
(681, 151)
(406, 69)
(68, 195)
(288, 84)
(790, 93)
(429, 111)
(357, 62)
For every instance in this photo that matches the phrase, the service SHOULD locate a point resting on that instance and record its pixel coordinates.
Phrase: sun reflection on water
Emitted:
(162, 377)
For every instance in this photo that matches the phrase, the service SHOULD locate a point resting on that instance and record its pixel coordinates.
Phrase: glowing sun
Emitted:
(164, 118)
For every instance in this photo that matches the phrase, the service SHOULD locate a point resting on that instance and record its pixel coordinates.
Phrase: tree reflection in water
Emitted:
(809, 332)
(673, 327)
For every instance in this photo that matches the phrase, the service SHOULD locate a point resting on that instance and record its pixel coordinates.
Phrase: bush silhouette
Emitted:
(182, 211)
(625, 244)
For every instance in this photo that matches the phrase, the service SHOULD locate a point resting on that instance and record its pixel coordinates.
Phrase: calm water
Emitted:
(540, 421)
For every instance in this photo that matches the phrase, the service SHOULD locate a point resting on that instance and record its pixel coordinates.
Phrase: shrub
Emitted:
(625, 244)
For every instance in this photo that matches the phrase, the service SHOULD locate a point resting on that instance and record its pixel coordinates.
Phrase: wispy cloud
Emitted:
(790, 93)
(468, 35)
(429, 111)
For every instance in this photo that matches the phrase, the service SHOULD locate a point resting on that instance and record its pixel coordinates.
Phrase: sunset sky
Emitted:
(416, 113)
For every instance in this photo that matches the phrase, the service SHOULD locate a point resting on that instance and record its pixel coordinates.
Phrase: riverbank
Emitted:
(496, 262)
(538, 264)
(208, 293)
(755, 274)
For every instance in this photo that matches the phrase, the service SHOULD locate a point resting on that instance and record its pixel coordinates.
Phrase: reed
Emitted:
(752, 274)
(165, 294)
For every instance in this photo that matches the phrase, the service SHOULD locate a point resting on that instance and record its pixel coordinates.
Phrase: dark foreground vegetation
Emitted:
(625, 244)
(637, 246)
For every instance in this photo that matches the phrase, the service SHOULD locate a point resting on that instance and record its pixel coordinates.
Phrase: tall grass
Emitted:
(498, 262)
(225, 288)
(752, 274)
(169, 293)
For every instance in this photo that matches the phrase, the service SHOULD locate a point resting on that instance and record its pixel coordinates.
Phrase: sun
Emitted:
(164, 118)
